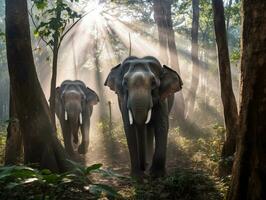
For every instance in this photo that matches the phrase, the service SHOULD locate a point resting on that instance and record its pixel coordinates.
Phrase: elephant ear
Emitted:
(170, 82)
(113, 80)
(91, 97)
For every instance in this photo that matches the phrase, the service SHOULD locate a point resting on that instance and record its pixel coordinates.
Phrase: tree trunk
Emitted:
(229, 14)
(40, 143)
(54, 63)
(53, 84)
(97, 50)
(179, 106)
(159, 16)
(195, 57)
(227, 94)
(249, 172)
(13, 150)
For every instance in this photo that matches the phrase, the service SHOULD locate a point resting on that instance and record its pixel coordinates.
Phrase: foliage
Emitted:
(2, 142)
(203, 151)
(52, 20)
(22, 182)
(185, 184)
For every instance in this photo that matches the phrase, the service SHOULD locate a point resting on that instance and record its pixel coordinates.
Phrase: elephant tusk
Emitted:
(148, 117)
(66, 115)
(80, 118)
(130, 117)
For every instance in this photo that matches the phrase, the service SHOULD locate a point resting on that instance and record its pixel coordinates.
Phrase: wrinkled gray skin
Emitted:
(142, 84)
(74, 105)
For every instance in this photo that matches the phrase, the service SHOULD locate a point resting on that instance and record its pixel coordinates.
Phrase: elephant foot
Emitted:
(82, 149)
(76, 140)
(157, 173)
(138, 175)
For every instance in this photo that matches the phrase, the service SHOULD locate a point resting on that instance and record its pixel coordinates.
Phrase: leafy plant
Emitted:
(29, 183)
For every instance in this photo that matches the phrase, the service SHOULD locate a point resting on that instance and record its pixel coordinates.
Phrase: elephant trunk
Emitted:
(74, 118)
(141, 131)
(140, 109)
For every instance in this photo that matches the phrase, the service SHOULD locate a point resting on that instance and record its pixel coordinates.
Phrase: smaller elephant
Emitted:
(74, 106)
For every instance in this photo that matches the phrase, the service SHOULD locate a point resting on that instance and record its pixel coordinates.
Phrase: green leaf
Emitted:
(93, 167)
(40, 4)
(98, 189)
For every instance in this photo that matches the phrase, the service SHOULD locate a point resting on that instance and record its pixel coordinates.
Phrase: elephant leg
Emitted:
(161, 134)
(141, 140)
(150, 145)
(85, 131)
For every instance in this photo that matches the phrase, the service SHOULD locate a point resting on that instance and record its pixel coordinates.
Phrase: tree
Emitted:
(249, 171)
(195, 57)
(40, 143)
(168, 49)
(159, 17)
(179, 108)
(13, 150)
(52, 31)
(227, 94)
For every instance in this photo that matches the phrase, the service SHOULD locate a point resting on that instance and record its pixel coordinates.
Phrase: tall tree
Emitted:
(194, 56)
(168, 50)
(227, 94)
(229, 14)
(40, 143)
(179, 108)
(249, 172)
(13, 150)
(52, 30)
(159, 17)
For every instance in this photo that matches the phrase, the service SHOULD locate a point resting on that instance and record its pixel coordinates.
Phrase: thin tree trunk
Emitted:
(229, 15)
(249, 172)
(55, 63)
(40, 143)
(159, 16)
(179, 106)
(227, 94)
(97, 52)
(53, 85)
(13, 150)
(195, 57)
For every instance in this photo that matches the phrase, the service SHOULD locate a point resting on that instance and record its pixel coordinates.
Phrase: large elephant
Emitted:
(74, 105)
(145, 91)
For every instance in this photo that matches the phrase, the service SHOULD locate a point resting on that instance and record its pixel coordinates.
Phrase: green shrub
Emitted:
(22, 182)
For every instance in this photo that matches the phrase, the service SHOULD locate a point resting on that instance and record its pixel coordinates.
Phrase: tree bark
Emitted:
(249, 172)
(168, 50)
(227, 94)
(179, 106)
(13, 150)
(195, 58)
(56, 46)
(40, 143)
(159, 17)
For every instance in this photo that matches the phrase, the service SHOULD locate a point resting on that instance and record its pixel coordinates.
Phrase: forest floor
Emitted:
(192, 164)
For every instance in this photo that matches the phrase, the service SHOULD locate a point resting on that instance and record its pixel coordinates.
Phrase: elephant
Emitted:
(145, 91)
(74, 106)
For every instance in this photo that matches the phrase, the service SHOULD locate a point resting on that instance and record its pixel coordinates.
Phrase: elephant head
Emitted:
(74, 104)
(142, 83)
